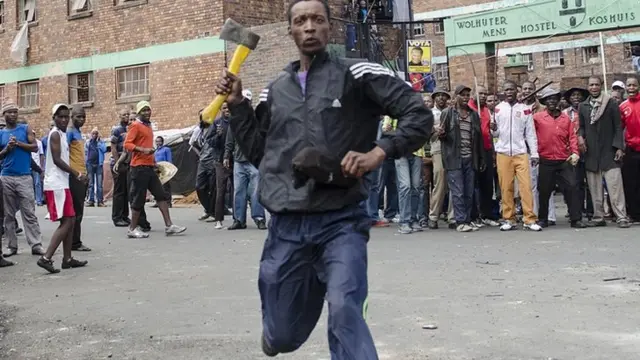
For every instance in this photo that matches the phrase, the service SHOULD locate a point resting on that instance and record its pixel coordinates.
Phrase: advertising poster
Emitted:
(419, 65)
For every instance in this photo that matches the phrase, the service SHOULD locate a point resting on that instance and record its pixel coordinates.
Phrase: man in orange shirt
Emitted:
(139, 143)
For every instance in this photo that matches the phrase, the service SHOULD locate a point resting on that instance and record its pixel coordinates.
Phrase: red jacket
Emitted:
(485, 124)
(630, 116)
(557, 139)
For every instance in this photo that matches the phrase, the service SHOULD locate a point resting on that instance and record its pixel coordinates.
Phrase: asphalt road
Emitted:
(492, 295)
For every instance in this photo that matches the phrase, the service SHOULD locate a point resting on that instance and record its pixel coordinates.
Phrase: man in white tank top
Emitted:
(57, 193)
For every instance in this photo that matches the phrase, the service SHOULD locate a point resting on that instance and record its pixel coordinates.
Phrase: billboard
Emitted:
(419, 65)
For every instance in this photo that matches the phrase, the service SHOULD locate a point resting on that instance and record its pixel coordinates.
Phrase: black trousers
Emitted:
(560, 172)
(120, 206)
(223, 177)
(142, 220)
(631, 180)
(584, 195)
(206, 187)
(78, 191)
(485, 181)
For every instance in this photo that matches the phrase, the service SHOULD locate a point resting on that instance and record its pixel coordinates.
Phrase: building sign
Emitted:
(541, 18)
(419, 65)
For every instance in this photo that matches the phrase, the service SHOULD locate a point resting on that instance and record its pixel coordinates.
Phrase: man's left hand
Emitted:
(619, 156)
(356, 164)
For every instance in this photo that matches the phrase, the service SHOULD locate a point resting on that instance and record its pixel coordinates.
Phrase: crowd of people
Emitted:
(498, 159)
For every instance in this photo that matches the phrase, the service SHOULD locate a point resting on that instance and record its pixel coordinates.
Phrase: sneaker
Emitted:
(478, 223)
(490, 223)
(90, 204)
(578, 225)
(261, 224)
(37, 250)
(380, 224)
(474, 226)
(47, 265)
(136, 233)
(596, 223)
(204, 217)
(73, 263)
(405, 229)
(464, 228)
(219, 225)
(424, 223)
(5, 263)
(416, 227)
(507, 226)
(266, 348)
(453, 226)
(433, 225)
(174, 230)
(396, 219)
(532, 227)
(624, 224)
(237, 225)
(19, 230)
(47, 217)
(101, 204)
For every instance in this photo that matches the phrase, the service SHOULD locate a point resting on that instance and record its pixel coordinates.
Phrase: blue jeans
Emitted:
(306, 259)
(245, 181)
(95, 183)
(409, 173)
(373, 202)
(351, 37)
(37, 185)
(462, 187)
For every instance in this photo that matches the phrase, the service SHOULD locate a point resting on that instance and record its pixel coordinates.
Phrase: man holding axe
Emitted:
(325, 110)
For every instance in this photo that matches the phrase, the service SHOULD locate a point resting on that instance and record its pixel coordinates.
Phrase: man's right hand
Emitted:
(231, 86)
(582, 145)
(493, 126)
(147, 151)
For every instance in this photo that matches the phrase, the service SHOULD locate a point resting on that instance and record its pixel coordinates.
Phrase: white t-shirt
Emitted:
(54, 177)
(36, 155)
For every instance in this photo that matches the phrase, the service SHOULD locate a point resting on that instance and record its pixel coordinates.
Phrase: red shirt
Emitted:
(485, 124)
(140, 135)
(630, 116)
(557, 139)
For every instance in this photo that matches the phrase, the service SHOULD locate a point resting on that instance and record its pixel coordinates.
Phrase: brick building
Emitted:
(561, 58)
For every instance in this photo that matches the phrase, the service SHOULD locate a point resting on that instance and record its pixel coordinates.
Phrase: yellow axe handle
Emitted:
(239, 56)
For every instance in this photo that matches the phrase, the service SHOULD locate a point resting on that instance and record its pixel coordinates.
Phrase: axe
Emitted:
(246, 41)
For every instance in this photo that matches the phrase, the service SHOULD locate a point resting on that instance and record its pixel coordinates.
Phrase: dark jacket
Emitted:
(450, 140)
(219, 138)
(232, 150)
(603, 137)
(339, 111)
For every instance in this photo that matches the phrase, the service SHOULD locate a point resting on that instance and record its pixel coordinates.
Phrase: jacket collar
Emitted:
(294, 66)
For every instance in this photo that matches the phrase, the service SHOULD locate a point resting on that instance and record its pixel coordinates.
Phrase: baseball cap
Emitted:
(57, 107)
(461, 88)
(247, 94)
(618, 84)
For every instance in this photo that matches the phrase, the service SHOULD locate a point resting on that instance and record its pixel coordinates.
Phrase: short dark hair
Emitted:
(510, 82)
(417, 48)
(161, 138)
(530, 82)
(293, 2)
(595, 77)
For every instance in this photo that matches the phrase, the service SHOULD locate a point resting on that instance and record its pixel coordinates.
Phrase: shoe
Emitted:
(5, 263)
(228, 212)
(47, 217)
(73, 263)
(578, 224)
(19, 231)
(453, 226)
(624, 224)
(433, 225)
(490, 223)
(424, 223)
(597, 223)
(155, 205)
(47, 265)
(10, 252)
(396, 219)
(405, 229)
(464, 228)
(380, 224)
(136, 234)
(237, 225)
(101, 204)
(552, 223)
(261, 224)
(474, 226)
(37, 250)
(219, 225)
(145, 229)
(80, 248)
(532, 227)
(416, 227)
(506, 226)
(174, 230)
(121, 223)
(90, 204)
(477, 223)
(543, 224)
(266, 348)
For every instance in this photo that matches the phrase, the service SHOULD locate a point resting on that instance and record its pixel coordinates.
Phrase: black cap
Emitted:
(461, 88)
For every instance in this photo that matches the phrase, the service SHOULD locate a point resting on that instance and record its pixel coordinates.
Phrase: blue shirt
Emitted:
(18, 161)
(100, 147)
(163, 153)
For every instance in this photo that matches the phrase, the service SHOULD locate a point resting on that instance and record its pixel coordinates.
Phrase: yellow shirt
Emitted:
(77, 160)
(394, 124)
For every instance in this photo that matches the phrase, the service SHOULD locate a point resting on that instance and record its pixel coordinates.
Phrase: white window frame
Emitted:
(122, 81)
(79, 6)
(438, 28)
(591, 54)
(441, 72)
(2, 13)
(73, 88)
(553, 59)
(418, 30)
(27, 11)
(23, 95)
(527, 58)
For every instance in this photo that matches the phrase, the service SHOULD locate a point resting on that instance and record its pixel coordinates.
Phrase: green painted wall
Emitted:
(541, 18)
(183, 49)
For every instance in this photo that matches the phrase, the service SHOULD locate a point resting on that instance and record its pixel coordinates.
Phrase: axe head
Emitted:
(236, 33)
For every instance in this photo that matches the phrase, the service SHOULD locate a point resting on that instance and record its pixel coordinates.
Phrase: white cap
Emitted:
(618, 84)
(56, 107)
(247, 93)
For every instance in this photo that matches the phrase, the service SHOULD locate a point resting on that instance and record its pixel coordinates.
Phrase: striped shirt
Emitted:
(465, 136)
